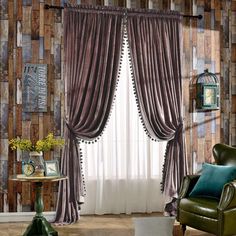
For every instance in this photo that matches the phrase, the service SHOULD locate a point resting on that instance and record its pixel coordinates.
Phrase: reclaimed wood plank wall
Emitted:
(31, 34)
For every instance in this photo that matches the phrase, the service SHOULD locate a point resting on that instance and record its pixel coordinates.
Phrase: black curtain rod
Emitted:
(46, 6)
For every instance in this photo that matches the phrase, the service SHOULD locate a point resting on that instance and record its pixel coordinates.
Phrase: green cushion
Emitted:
(200, 206)
(213, 179)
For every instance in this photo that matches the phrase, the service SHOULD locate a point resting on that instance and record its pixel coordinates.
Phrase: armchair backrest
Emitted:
(224, 154)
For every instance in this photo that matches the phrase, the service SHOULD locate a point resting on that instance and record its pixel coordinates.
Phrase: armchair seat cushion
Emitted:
(206, 207)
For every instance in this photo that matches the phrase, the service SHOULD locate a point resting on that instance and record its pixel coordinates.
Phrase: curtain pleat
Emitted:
(92, 44)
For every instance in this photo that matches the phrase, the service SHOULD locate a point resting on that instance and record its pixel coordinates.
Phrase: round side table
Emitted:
(39, 225)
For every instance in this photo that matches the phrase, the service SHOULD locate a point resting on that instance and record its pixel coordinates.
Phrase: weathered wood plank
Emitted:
(35, 51)
(4, 60)
(201, 150)
(166, 5)
(4, 30)
(233, 104)
(57, 118)
(19, 92)
(26, 21)
(208, 152)
(34, 133)
(35, 5)
(26, 48)
(207, 5)
(26, 194)
(35, 25)
(19, 120)
(19, 62)
(233, 5)
(46, 129)
(47, 37)
(19, 34)
(41, 124)
(26, 129)
(27, 2)
(19, 15)
(57, 61)
(4, 149)
(143, 4)
(200, 41)
(58, 33)
(41, 20)
(4, 9)
(233, 53)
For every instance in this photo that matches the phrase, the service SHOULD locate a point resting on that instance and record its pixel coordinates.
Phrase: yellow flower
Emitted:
(45, 144)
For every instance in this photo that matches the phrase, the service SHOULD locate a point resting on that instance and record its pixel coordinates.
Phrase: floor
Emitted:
(108, 225)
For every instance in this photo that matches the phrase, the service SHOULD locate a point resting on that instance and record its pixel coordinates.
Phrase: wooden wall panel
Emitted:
(27, 36)
(230, 66)
(31, 34)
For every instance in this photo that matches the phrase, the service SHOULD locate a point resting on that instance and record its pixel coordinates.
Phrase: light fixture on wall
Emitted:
(207, 91)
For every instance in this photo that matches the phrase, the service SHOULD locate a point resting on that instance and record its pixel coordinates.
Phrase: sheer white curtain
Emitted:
(123, 169)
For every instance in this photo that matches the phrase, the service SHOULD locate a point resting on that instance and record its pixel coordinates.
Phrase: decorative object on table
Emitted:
(34, 87)
(35, 152)
(36, 159)
(51, 168)
(207, 91)
(28, 169)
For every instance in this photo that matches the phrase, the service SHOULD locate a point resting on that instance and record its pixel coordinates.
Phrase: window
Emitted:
(123, 169)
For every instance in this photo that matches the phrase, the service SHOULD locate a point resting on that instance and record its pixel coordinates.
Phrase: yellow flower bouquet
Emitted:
(41, 145)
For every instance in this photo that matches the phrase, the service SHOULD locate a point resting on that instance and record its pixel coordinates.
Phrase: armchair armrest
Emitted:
(228, 196)
(187, 185)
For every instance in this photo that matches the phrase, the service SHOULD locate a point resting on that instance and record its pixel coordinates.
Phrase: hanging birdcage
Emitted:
(207, 91)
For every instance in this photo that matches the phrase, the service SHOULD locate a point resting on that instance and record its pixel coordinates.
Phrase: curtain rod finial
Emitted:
(46, 6)
(199, 17)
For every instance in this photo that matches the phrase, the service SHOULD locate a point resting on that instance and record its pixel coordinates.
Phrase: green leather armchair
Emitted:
(209, 214)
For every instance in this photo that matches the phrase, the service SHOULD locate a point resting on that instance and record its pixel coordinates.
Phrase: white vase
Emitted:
(36, 158)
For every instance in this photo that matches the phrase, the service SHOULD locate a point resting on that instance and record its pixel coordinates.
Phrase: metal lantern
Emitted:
(207, 86)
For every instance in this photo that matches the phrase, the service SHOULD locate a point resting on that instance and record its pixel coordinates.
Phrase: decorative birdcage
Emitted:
(207, 91)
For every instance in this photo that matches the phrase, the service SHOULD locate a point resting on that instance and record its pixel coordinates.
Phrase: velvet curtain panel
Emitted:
(92, 44)
(154, 40)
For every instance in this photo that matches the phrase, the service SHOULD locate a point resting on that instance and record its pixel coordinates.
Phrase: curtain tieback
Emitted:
(71, 131)
(178, 131)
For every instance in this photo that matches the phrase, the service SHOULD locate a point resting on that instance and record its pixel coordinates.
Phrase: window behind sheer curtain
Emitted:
(123, 168)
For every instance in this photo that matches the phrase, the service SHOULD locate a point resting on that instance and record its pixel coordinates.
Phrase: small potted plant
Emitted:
(35, 166)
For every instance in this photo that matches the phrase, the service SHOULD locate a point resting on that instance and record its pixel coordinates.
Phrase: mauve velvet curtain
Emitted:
(154, 39)
(92, 46)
